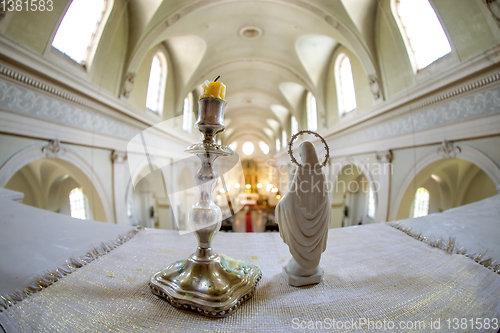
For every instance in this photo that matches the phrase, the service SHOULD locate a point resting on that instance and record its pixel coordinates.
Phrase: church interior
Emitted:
(99, 100)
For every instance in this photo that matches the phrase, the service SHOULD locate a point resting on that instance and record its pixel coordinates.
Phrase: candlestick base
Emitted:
(209, 284)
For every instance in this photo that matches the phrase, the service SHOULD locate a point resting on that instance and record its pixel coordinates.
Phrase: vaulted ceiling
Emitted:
(269, 53)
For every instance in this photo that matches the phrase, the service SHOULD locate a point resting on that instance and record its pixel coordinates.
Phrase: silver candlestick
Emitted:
(206, 282)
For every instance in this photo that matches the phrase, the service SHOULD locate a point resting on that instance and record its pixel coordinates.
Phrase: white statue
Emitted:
(303, 217)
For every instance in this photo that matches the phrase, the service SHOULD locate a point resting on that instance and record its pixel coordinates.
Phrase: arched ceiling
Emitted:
(266, 76)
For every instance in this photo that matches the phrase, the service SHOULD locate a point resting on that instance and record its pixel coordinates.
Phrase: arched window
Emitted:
(421, 203)
(156, 84)
(78, 204)
(422, 32)
(80, 29)
(248, 148)
(346, 94)
(295, 125)
(187, 113)
(278, 145)
(371, 204)
(284, 142)
(312, 112)
(264, 147)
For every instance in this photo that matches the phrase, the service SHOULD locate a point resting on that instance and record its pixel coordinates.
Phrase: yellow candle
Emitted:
(214, 89)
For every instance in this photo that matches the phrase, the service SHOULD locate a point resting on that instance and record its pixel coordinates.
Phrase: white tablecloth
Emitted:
(373, 274)
(33, 241)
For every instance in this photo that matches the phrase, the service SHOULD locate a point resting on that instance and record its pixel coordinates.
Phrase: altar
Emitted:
(374, 275)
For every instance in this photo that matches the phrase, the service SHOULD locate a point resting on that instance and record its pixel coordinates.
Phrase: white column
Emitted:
(384, 183)
(119, 187)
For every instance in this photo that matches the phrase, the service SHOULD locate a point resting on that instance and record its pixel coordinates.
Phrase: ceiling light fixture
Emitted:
(250, 32)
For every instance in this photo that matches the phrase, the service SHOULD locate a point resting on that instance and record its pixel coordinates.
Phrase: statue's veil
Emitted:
(308, 185)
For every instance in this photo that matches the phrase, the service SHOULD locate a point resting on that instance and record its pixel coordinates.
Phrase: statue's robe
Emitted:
(303, 214)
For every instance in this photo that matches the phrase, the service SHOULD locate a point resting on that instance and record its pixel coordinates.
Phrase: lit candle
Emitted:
(214, 89)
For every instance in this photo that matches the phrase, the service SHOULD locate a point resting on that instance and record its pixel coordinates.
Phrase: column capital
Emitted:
(118, 156)
(448, 149)
(128, 84)
(53, 149)
(384, 156)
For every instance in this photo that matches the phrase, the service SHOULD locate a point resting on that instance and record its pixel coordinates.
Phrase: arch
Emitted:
(136, 170)
(466, 153)
(142, 167)
(139, 169)
(39, 151)
(141, 202)
(335, 168)
(280, 112)
(315, 62)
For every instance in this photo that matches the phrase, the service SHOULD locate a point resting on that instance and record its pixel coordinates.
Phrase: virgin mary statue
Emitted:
(303, 217)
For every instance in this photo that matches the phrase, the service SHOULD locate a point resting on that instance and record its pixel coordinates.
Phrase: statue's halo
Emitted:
(290, 146)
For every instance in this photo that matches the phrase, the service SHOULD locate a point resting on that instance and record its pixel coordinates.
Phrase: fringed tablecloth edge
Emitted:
(48, 278)
(449, 246)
